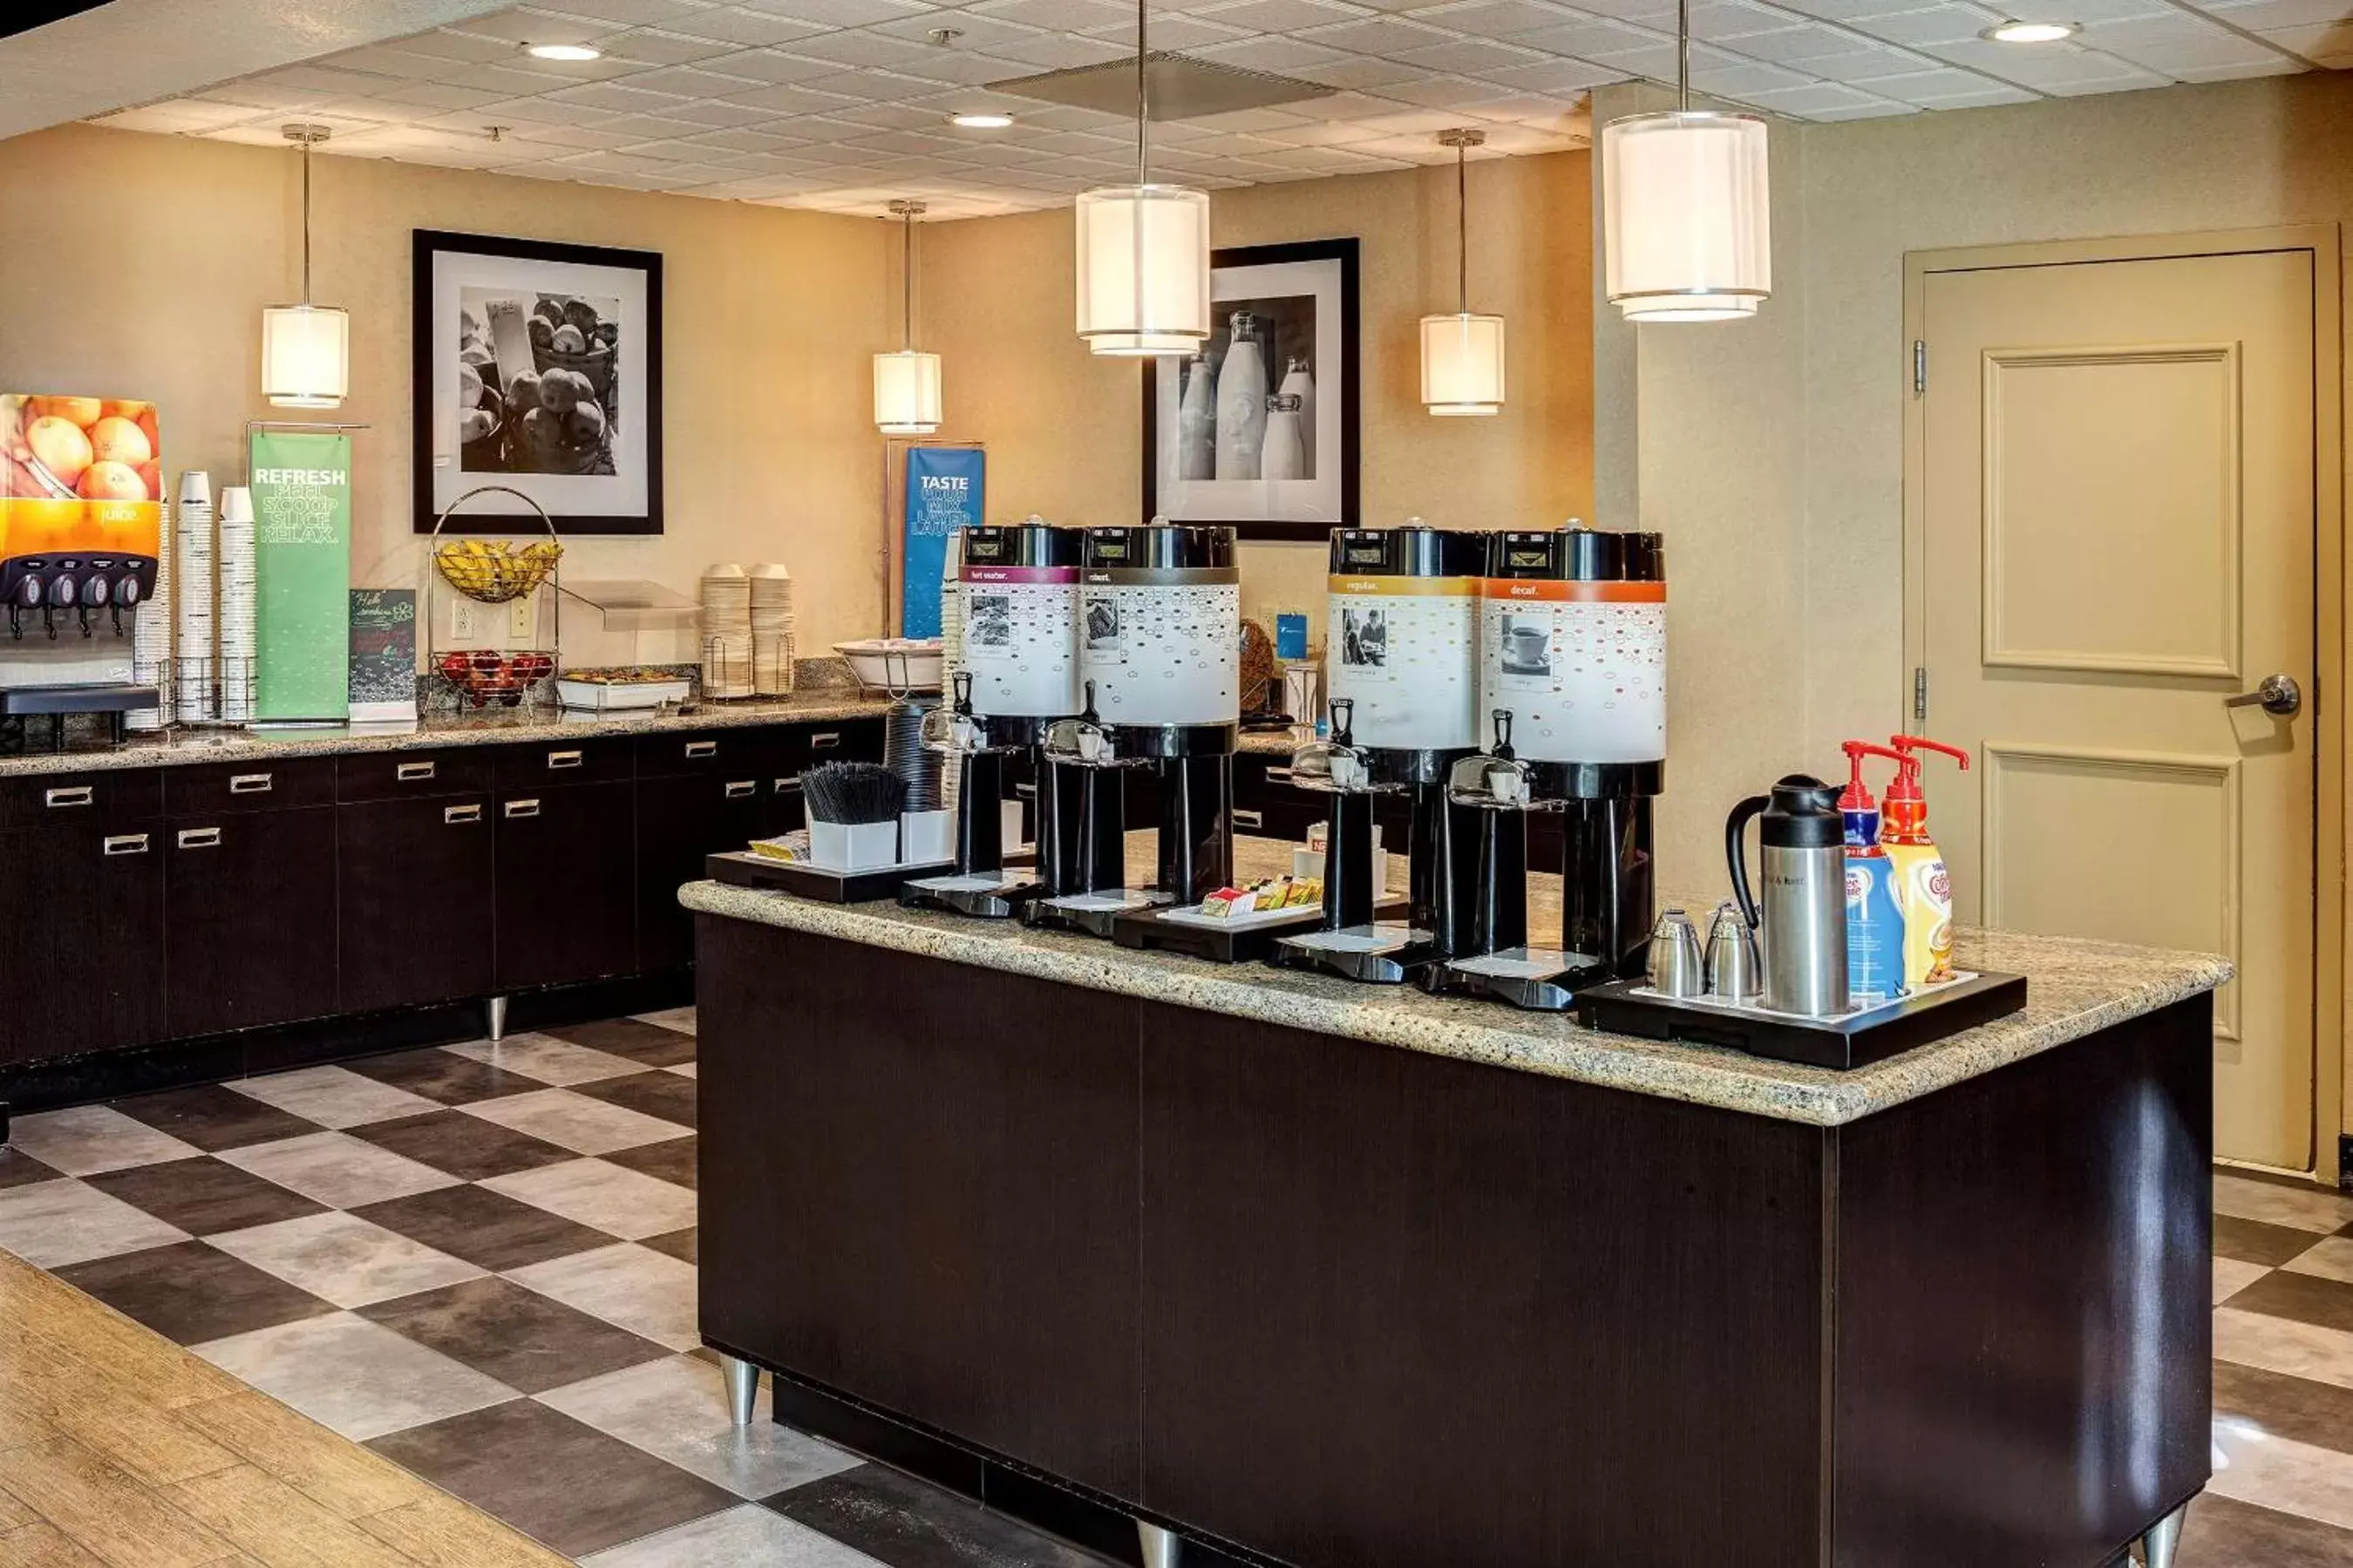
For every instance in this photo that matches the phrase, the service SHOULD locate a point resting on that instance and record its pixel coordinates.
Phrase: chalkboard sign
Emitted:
(384, 654)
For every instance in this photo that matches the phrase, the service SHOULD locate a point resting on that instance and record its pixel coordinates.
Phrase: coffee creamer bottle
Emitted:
(1874, 921)
(1923, 887)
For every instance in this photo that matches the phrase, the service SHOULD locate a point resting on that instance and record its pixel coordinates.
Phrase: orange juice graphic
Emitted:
(81, 490)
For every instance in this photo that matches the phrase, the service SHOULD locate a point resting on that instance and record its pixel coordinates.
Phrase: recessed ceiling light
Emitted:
(2032, 32)
(573, 52)
(981, 121)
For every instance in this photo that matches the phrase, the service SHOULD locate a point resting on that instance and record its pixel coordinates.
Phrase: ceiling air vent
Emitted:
(1178, 87)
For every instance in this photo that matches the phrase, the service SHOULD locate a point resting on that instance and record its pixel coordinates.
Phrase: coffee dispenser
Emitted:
(1019, 587)
(1573, 667)
(1160, 659)
(1404, 660)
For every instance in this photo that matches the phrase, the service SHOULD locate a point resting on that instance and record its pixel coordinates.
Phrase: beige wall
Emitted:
(1064, 429)
(138, 265)
(1772, 451)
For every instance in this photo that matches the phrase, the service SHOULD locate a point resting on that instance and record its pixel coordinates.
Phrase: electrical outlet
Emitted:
(465, 621)
(519, 620)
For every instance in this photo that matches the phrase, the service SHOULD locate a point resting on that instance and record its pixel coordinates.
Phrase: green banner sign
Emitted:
(302, 561)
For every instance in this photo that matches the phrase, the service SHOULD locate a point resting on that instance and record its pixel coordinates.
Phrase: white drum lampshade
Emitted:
(1143, 270)
(306, 355)
(1687, 226)
(907, 393)
(1462, 364)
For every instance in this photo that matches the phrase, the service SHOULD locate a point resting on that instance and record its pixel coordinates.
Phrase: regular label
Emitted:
(1405, 651)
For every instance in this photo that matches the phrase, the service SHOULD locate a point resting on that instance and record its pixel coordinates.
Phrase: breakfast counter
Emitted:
(1316, 1273)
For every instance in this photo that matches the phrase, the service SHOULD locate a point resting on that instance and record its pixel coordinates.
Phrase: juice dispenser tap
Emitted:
(981, 884)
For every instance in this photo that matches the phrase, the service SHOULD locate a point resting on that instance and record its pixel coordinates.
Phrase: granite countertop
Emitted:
(2074, 988)
(486, 727)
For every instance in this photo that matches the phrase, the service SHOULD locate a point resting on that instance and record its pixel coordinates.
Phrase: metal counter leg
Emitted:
(2163, 1538)
(497, 1018)
(1162, 1548)
(742, 1388)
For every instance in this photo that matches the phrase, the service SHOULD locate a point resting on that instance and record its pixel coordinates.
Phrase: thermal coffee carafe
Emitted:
(1019, 672)
(1573, 664)
(1160, 657)
(1801, 921)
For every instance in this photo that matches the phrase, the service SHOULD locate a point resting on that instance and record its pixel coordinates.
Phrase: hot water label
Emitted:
(1581, 666)
(1161, 646)
(1019, 644)
(1405, 650)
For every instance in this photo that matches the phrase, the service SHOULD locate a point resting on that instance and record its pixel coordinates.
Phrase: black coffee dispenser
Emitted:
(1573, 672)
(981, 884)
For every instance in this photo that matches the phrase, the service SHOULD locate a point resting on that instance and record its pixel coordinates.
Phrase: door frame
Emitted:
(2332, 1116)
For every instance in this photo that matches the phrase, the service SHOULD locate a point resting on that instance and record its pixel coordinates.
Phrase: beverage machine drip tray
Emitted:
(1851, 1039)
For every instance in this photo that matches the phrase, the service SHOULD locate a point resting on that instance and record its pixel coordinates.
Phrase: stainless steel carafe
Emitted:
(1802, 923)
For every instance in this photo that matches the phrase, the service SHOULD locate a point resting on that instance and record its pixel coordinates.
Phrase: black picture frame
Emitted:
(429, 247)
(1344, 253)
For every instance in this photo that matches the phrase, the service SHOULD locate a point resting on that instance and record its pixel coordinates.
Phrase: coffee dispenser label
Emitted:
(1405, 651)
(1580, 666)
(1416, 587)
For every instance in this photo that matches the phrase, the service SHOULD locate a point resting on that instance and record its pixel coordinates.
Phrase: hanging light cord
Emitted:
(907, 269)
(1683, 53)
(306, 220)
(1142, 103)
(1461, 233)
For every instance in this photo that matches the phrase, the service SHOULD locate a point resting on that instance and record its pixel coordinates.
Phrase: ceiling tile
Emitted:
(526, 25)
(1723, 19)
(784, 99)
(2262, 16)
(735, 25)
(1806, 40)
(1356, 71)
(1058, 15)
(842, 13)
(448, 46)
(1471, 55)
(872, 87)
(1388, 36)
(2325, 43)
(1055, 52)
(614, 97)
(631, 13)
(381, 59)
(1282, 56)
(1447, 92)
(437, 94)
(1743, 78)
(1495, 18)
(2274, 66)
(1866, 60)
(1191, 34)
(654, 46)
(1588, 40)
(1282, 16)
(2176, 56)
(876, 50)
(975, 31)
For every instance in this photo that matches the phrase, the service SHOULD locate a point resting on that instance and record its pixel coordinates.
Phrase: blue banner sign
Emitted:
(946, 486)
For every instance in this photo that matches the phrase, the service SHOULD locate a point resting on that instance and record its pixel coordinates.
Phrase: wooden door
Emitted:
(566, 884)
(83, 944)
(2118, 501)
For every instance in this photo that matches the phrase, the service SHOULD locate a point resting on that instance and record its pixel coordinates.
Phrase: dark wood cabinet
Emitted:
(415, 914)
(83, 943)
(568, 891)
(249, 901)
(680, 820)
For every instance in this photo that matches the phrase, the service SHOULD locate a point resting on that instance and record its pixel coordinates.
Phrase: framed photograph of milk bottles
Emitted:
(538, 366)
(1259, 429)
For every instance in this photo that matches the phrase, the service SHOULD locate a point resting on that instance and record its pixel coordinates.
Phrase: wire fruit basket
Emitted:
(496, 572)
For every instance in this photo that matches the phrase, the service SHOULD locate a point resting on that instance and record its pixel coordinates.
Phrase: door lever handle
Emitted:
(2277, 695)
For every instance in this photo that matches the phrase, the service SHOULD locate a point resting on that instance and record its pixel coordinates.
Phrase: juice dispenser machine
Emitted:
(82, 511)
(1573, 655)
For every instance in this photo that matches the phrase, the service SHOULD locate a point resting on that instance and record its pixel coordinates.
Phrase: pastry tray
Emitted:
(1850, 1040)
(741, 869)
(1230, 939)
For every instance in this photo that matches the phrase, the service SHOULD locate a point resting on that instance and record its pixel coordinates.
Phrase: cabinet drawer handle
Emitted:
(703, 748)
(523, 808)
(1250, 818)
(564, 759)
(789, 786)
(249, 783)
(410, 773)
(737, 789)
(456, 814)
(1280, 775)
(72, 794)
(826, 742)
(1025, 791)
(199, 837)
(126, 844)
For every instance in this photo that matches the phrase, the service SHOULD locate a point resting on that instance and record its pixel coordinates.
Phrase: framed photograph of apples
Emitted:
(1258, 428)
(538, 368)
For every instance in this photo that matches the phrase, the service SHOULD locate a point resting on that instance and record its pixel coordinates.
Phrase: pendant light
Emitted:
(1686, 218)
(306, 349)
(907, 383)
(1143, 253)
(1462, 354)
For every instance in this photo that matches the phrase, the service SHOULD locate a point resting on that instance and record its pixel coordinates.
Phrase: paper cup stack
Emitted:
(772, 630)
(238, 642)
(726, 632)
(151, 629)
(193, 600)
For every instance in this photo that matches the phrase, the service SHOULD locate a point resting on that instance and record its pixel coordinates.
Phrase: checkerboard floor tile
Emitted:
(481, 1260)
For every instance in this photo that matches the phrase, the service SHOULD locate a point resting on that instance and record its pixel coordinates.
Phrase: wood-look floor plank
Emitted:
(43, 1545)
(15, 1515)
(276, 1525)
(108, 1416)
(66, 1322)
(105, 1511)
(347, 1480)
(439, 1532)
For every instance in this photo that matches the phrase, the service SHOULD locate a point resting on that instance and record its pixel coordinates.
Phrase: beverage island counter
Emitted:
(1288, 1269)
